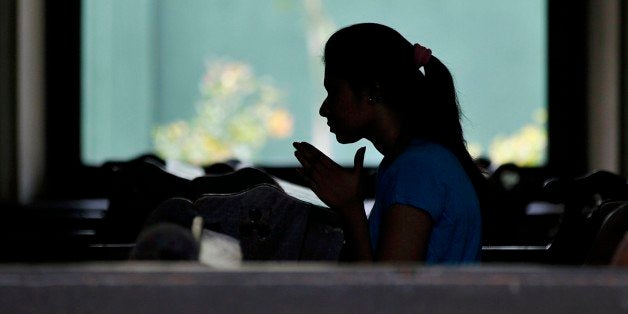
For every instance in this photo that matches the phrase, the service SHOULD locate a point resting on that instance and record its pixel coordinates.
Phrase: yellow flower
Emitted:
(524, 148)
(214, 150)
(280, 123)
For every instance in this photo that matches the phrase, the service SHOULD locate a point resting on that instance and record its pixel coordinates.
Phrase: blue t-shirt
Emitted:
(430, 177)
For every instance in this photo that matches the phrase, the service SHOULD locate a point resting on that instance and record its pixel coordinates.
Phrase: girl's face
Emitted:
(348, 113)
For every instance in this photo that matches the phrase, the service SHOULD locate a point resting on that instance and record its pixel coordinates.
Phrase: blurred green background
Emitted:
(147, 65)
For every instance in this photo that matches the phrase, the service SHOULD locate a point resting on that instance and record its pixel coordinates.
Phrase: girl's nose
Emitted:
(323, 110)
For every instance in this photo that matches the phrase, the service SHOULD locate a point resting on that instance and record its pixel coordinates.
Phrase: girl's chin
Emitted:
(344, 139)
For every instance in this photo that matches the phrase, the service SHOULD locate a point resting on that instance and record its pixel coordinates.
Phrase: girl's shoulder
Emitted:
(425, 152)
(426, 160)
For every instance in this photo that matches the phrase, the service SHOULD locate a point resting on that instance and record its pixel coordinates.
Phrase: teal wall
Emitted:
(118, 87)
(143, 61)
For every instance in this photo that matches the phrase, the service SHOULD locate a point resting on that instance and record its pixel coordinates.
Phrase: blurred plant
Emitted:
(236, 116)
(526, 147)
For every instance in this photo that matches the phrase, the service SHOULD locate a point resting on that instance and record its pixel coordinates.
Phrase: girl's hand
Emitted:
(336, 186)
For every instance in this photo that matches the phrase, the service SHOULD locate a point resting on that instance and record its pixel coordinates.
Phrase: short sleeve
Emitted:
(412, 181)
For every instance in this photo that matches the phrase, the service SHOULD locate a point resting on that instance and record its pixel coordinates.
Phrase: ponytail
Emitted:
(442, 122)
(441, 105)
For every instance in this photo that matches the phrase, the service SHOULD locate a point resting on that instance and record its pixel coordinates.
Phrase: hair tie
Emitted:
(421, 55)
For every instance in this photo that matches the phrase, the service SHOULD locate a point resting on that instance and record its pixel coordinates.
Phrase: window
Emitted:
(205, 80)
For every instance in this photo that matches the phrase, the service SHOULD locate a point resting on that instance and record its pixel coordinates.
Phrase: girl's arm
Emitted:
(404, 234)
(342, 190)
(405, 229)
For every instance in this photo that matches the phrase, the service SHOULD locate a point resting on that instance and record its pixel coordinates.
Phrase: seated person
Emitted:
(429, 189)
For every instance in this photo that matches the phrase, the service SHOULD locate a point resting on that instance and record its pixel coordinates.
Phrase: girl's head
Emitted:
(377, 61)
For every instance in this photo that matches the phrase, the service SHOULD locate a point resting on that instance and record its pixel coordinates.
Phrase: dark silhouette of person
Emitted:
(400, 97)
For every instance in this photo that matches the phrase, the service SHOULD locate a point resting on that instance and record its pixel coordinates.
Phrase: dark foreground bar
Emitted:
(312, 288)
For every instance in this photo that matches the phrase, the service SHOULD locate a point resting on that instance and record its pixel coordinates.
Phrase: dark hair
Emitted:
(373, 57)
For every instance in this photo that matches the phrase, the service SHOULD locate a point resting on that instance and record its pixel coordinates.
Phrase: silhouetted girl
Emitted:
(427, 205)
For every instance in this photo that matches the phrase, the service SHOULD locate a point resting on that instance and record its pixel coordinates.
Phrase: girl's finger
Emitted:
(358, 160)
(307, 153)
(305, 162)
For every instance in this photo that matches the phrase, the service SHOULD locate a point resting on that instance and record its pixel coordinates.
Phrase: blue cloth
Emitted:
(428, 176)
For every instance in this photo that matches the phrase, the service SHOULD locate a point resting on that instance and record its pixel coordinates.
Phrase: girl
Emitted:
(426, 205)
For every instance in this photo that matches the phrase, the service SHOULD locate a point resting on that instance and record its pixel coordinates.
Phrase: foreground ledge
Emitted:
(125, 287)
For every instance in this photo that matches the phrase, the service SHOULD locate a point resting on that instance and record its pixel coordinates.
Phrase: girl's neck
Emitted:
(387, 135)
